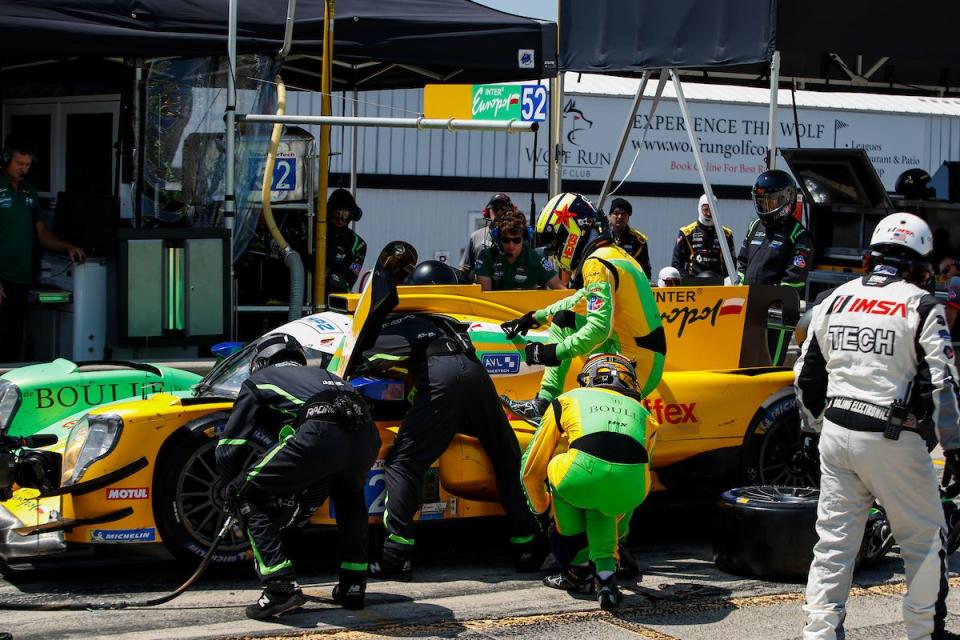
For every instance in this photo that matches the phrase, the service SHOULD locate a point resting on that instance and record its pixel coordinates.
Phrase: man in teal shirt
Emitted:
(19, 209)
(510, 263)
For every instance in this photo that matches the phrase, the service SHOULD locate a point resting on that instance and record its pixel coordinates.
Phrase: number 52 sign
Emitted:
(533, 103)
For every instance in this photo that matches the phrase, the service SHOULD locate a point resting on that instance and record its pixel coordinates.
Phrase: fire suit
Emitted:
(635, 245)
(698, 249)
(346, 251)
(622, 317)
(589, 463)
(875, 341)
(452, 393)
(320, 455)
(781, 255)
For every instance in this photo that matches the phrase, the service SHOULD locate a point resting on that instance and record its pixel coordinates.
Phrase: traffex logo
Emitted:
(665, 413)
(136, 493)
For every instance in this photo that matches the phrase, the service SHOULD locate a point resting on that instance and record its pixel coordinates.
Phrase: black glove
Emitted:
(513, 328)
(811, 448)
(545, 522)
(540, 353)
(951, 467)
(227, 490)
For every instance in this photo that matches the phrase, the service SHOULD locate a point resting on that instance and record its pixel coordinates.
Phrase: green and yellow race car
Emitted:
(142, 472)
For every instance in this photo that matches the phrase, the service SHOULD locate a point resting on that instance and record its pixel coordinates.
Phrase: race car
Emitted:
(142, 472)
(34, 397)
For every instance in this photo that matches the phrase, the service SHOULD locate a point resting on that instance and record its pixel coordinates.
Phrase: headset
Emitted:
(5, 157)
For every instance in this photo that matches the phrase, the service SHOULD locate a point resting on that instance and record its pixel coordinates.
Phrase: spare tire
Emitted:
(766, 532)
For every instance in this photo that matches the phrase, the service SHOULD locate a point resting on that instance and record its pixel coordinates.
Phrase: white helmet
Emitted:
(708, 222)
(899, 231)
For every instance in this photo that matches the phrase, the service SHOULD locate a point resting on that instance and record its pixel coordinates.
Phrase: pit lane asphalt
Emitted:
(464, 588)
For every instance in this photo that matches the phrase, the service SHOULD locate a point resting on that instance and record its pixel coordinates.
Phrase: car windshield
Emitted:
(227, 376)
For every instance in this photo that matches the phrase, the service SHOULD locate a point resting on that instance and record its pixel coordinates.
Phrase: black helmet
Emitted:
(399, 258)
(566, 226)
(277, 348)
(433, 272)
(774, 196)
(609, 371)
(912, 184)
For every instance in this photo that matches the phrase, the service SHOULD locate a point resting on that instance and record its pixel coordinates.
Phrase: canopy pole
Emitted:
(774, 94)
(353, 147)
(230, 195)
(627, 128)
(556, 135)
(448, 124)
(320, 237)
(707, 189)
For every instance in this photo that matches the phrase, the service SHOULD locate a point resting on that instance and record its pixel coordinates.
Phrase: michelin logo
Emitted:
(501, 362)
(123, 535)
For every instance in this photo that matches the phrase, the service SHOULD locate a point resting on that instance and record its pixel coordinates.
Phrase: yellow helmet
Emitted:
(566, 225)
(610, 371)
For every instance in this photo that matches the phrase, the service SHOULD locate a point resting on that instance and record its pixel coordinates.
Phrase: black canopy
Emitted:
(378, 43)
(881, 45)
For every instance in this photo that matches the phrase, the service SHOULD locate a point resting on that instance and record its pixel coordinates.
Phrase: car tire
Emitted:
(186, 508)
(772, 449)
(766, 532)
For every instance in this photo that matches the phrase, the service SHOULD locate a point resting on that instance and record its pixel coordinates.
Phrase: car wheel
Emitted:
(772, 450)
(186, 506)
(877, 538)
(766, 532)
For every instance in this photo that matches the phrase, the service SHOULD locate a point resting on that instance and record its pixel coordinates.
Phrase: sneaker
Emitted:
(627, 567)
(527, 409)
(393, 564)
(574, 579)
(278, 597)
(608, 593)
(529, 556)
(349, 594)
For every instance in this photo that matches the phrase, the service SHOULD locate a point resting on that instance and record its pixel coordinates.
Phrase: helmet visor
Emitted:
(772, 201)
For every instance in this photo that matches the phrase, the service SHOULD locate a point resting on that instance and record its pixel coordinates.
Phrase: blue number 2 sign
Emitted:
(533, 103)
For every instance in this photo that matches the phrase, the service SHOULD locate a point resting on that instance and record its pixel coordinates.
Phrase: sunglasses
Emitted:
(340, 216)
(946, 268)
(511, 240)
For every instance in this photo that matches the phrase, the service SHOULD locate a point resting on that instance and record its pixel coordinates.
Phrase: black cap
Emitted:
(343, 199)
(620, 203)
(500, 197)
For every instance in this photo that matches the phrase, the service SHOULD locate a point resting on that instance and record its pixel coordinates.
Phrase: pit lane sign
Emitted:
(525, 102)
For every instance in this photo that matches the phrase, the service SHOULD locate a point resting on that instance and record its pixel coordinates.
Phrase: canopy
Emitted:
(882, 45)
(377, 43)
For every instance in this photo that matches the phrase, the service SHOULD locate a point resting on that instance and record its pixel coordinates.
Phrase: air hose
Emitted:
(126, 604)
(290, 257)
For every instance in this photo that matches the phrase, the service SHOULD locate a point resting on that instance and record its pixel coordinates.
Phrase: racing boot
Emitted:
(350, 591)
(527, 409)
(576, 579)
(395, 562)
(627, 566)
(608, 593)
(529, 556)
(280, 595)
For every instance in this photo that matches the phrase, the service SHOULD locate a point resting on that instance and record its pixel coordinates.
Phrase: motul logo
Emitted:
(671, 413)
(141, 493)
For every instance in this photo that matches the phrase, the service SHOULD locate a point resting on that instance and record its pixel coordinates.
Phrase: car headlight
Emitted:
(90, 439)
(9, 403)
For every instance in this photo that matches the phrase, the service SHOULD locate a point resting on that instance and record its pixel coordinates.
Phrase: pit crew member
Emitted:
(327, 443)
(587, 468)
(876, 378)
(621, 313)
(777, 250)
(626, 237)
(452, 393)
(698, 245)
(481, 239)
(346, 250)
(510, 262)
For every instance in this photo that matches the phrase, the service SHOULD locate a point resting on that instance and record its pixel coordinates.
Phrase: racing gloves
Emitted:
(518, 326)
(951, 467)
(540, 353)
(810, 448)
